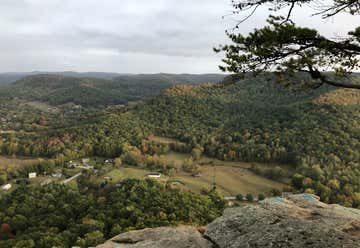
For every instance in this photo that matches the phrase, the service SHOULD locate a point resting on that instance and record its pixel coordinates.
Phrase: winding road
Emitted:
(66, 181)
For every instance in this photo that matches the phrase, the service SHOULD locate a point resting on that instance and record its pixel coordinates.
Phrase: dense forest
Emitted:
(104, 137)
(73, 218)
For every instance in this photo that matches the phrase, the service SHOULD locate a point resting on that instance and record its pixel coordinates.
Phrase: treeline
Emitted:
(85, 220)
(41, 167)
(103, 138)
(150, 156)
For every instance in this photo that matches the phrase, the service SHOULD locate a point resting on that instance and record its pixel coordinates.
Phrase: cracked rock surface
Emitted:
(295, 222)
(162, 237)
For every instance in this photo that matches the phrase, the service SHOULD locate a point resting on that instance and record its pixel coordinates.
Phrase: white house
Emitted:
(230, 198)
(57, 175)
(154, 175)
(6, 186)
(32, 175)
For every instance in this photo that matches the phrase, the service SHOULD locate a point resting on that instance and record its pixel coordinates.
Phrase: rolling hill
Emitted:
(11, 77)
(317, 132)
(93, 91)
(57, 89)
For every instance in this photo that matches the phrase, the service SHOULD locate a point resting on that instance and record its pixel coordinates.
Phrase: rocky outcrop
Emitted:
(298, 221)
(295, 221)
(162, 237)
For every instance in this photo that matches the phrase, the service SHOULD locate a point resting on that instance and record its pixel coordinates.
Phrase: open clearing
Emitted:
(229, 180)
(16, 163)
(162, 140)
(42, 106)
(175, 158)
(118, 175)
(231, 177)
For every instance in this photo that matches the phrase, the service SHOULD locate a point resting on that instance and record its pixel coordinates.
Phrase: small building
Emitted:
(70, 165)
(57, 175)
(109, 161)
(108, 178)
(6, 186)
(77, 106)
(197, 174)
(230, 198)
(154, 175)
(32, 175)
(85, 160)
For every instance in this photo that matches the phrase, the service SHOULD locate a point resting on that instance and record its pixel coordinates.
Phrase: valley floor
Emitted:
(230, 178)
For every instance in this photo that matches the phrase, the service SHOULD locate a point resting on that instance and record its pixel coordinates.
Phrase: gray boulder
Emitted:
(298, 221)
(162, 237)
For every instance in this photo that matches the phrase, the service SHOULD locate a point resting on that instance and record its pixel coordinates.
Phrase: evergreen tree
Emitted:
(286, 48)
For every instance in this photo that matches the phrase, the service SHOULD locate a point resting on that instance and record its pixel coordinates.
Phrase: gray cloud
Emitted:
(122, 36)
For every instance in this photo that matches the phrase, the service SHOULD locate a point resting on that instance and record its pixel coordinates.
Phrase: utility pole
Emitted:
(214, 178)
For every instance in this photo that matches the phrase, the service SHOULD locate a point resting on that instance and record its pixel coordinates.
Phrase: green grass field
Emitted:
(230, 181)
(7, 163)
(175, 158)
(162, 140)
(42, 106)
(231, 178)
(118, 175)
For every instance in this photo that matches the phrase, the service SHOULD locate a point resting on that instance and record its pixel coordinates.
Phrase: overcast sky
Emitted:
(126, 36)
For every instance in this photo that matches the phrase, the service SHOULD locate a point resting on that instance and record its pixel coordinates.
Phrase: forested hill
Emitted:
(318, 132)
(10, 77)
(248, 104)
(57, 89)
(92, 91)
(170, 78)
